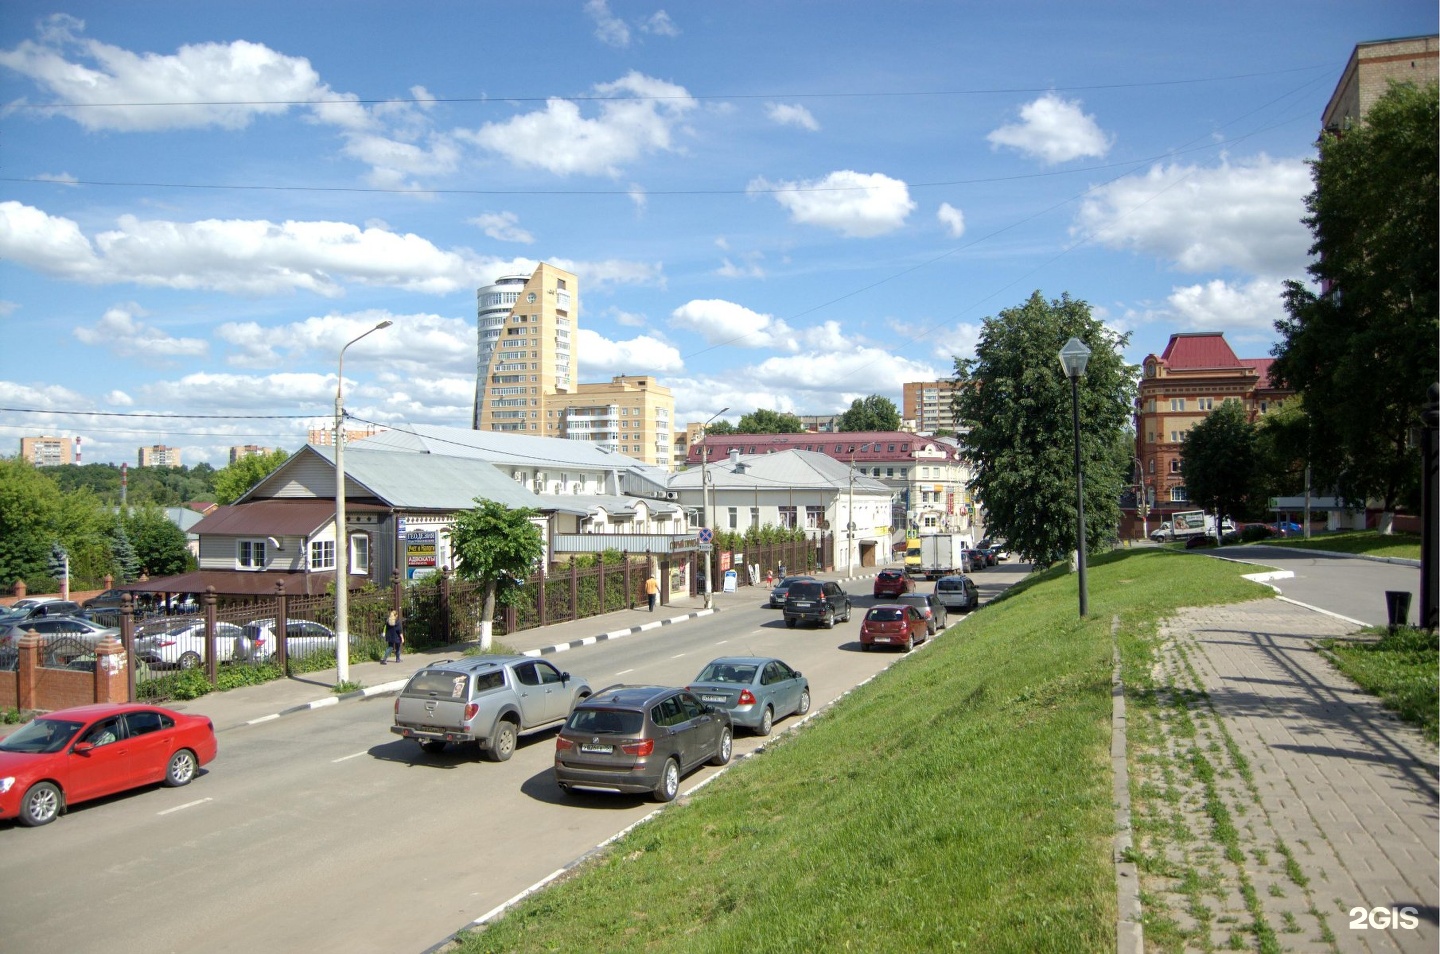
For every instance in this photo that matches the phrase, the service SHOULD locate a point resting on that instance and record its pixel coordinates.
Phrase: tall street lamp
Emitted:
(1073, 358)
(342, 536)
(705, 495)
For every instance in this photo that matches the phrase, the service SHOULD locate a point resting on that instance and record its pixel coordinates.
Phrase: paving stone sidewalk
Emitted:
(1333, 801)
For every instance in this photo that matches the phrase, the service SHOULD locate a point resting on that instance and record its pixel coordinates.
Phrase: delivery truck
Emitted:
(942, 554)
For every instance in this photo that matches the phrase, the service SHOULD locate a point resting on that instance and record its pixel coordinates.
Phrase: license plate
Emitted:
(800, 605)
(881, 639)
(596, 749)
(712, 698)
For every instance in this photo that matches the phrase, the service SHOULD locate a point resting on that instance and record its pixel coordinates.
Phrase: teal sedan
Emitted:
(755, 690)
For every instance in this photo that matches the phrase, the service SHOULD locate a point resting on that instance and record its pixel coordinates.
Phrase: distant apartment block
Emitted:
(1371, 69)
(525, 371)
(324, 436)
(929, 406)
(158, 455)
(47, 451)
(632, 415)
(247, 450)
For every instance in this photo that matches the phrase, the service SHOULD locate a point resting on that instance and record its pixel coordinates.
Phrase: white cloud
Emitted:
(788, 115)
(641, 355)
(857, 205)
(722, 322)
(503, 227)
(637, 115)
(659, 24)
(609, 29)
(206, 84)
(1254, 306)
(415, 346)
(1244, 216)
(7, 308)
(952, 218)
(119, 399)
(748, 267)
(118, 332)
(1053, 129)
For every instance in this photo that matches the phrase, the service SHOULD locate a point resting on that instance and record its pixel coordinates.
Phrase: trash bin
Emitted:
(1397, 608)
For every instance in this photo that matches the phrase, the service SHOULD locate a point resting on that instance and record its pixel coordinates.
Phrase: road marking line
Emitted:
(186, 805)
(677, 655)
(624, 671)
(348, 757)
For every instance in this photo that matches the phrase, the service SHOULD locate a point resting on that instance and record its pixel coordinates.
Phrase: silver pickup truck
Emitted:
(489, 700)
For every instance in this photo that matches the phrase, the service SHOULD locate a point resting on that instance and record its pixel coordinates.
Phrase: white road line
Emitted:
(348, 757)
(677, 655)
(624, 671)
(186, 805)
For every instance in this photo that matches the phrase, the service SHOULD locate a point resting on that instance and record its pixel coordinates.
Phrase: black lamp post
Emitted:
(1073, 358)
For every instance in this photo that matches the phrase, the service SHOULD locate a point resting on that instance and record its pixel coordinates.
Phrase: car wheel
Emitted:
(669, 785)
(804, 705)
(830, 620)
(190, 660)
(767, 722)
(502, 744)
(930, 628)
(909, 643)
(433, 746)
(864, 647)
(182, 768)
(790, 621)
(41, 805)
(725, 749)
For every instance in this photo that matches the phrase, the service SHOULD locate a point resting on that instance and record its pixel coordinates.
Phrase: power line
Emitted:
(185, 417)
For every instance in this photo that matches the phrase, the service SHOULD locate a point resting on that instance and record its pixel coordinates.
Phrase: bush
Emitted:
(1256, 531)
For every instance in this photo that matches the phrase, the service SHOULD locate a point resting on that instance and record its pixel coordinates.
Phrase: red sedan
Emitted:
(73, 755)
(893, 624)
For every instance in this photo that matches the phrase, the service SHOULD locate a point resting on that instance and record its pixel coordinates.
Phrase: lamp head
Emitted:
(1073, 358)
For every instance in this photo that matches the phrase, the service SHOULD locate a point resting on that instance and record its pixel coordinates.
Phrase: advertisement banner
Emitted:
(421, 553)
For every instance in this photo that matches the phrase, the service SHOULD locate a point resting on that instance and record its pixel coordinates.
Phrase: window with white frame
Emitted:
(787, 517)
(1177, 404)
(1178, 495)
(734, 517)
(813, 517)
(360, 553)
(1206, 404)
(322, 554)
(250, 554)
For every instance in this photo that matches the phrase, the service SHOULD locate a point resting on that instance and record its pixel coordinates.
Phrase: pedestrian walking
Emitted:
(394, 637)
(652, 591)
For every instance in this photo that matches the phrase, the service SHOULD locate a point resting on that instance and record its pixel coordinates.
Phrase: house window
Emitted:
(322, 554)
(734, 518)
(250, 554)
(889, 471)
(1178, 495)
(360, 553)
(787, 517)
(813, 517)
(1177, 404)
(754, 516)
(1174, 467)
(1206, 404)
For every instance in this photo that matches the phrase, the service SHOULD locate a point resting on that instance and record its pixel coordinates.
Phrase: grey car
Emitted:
(936, 615)
(957, 592)
(640, 739)
(755, 690)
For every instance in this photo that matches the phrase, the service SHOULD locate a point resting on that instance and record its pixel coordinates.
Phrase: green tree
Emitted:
(1282, 449)
(126, 559)
(1017, 401)
(30, 514)
(495, 544)
(764, 421)
(160, 546)
(233, 481)
(720, 426)
(1218, 462)
(874, 413)
(1364, 350)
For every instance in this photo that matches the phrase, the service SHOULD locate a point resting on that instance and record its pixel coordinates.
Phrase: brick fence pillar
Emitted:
(28, 668)
(111, 684)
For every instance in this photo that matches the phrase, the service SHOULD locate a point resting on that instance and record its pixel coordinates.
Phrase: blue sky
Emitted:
(785, 205)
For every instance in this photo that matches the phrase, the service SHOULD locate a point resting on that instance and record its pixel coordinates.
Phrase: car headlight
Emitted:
(6, 783)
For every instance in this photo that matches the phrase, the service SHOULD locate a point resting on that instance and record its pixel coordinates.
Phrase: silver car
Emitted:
(179, 643)
(755, 690)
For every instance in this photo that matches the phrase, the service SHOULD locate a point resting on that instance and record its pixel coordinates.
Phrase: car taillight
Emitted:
(471, 708)
(747, 698)
(397, 705)
(562, 744)
(639, 748)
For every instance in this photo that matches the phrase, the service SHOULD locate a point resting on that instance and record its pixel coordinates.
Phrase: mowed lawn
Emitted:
(959, 801)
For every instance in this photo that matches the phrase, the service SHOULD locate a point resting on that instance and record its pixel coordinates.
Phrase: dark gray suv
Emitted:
(640, 739)
(820, 602)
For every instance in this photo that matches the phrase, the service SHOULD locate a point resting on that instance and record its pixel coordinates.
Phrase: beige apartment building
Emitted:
(525, 327)
(632, 415)
(1371, 69)
(159, 455)
(47, 451)
(247, 450)
(929, 406)
(325, 436)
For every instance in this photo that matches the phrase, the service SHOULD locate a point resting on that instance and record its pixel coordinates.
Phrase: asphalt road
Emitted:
(324, 832)
(1349, 586)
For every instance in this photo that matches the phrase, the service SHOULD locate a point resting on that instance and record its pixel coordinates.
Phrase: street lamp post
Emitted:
(705, 496)
(1073, 358)
(342, 536)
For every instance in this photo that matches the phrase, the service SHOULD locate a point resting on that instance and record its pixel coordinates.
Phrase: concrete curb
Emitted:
(1129, 926)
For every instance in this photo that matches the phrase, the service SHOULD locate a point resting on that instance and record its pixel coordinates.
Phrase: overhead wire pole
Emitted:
(1073, 358)
(705, 498)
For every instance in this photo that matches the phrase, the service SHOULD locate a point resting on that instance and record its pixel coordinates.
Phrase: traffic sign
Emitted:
(706, 535)
(705, 547)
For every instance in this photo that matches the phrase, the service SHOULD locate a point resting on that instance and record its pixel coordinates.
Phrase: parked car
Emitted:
(179, 643)
(82, 634)
(755, 690)
(777, 594)
(988, 555)
(109, 599)
(957, 592)
(814, 601)
(1200, 541)
(39, 608)
(303, 637)
(893, 624)
(974, 561)
(936, 616)
(1287, 528)
(73, 755)
(488, 700)
(892, 583)
(640, 739)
